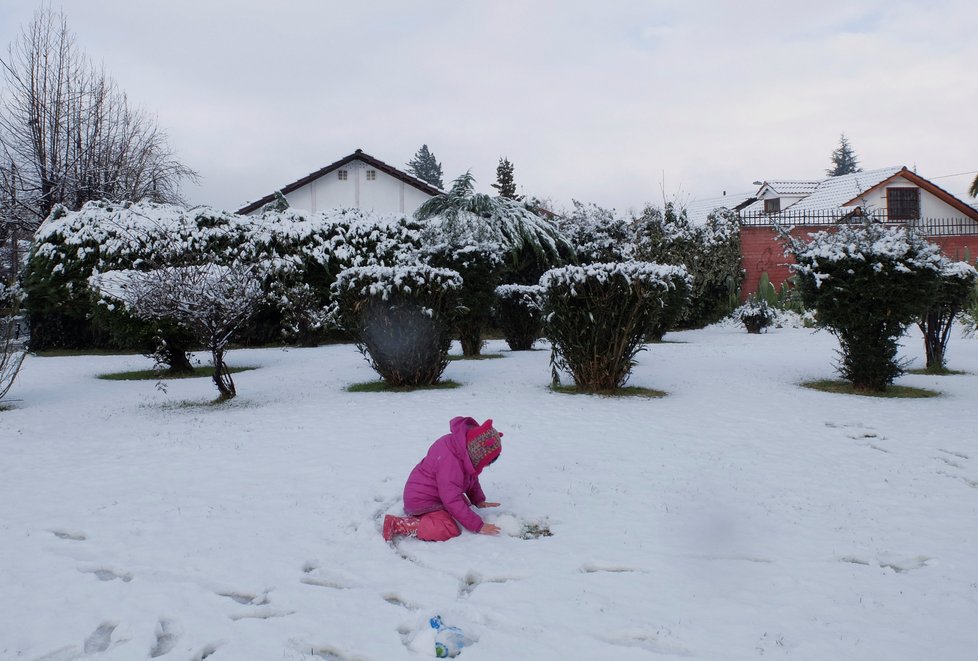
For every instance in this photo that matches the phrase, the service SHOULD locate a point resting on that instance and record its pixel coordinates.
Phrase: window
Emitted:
(772, 205)
(903, 203)
(341, 175)
(371, 175)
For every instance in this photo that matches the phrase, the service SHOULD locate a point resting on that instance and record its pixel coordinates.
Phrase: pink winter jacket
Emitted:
(445, 478)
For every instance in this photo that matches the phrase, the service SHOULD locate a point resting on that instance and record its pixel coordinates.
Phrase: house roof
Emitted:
(793, 187)
(844, 190)
(697, 211)
(358, 155)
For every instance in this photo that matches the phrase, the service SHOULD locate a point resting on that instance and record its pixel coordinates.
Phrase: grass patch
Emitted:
(203, 405)
(60, 353)
(153, 375)
(845, 388)
(932, 372)
(627, 391)
(481, 356)
(535, 531)
(383, 386)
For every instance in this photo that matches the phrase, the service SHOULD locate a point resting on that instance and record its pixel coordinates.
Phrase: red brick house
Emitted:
(892, 195)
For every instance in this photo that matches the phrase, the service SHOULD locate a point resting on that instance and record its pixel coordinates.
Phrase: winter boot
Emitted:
(400, 525)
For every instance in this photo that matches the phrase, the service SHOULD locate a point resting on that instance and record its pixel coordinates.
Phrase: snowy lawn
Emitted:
(740, 516)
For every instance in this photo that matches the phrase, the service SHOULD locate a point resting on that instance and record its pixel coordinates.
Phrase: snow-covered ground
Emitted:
(741, 516)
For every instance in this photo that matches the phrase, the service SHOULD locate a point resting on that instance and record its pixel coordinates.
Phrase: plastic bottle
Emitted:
(449, 641)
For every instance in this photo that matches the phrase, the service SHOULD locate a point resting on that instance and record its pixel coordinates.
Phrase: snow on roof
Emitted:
(834, 192)
(793, 187)
(697, 211)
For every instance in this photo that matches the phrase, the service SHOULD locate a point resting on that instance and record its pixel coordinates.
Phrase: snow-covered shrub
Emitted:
(481, 268)
(597, 316)
(756, 314)
(519, 314)
(209, 301)
(72, 246)
(303, 252)
(867, 283)
(710, 253)
(597, 234)
(954, 293)
(297, 253)
(401, 318)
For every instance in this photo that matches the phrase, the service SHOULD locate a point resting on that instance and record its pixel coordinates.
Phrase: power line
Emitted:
(945, 176)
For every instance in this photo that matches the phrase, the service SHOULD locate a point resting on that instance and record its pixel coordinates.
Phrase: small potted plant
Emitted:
(756, 315)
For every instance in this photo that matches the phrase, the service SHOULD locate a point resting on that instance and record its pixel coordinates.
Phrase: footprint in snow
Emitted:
(245, 598)
(651, 642)
(207, 651)
(100, 639)
(396, 600)
(106, 574)
(959, 455)
(261, 614)
(592, 568)
(899, 564)
(472, 580)
(166, 638)
(70, 535)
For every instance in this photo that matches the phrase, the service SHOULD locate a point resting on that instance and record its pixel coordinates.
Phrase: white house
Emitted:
(355, 181)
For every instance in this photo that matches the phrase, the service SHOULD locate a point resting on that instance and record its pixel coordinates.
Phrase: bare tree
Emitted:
(210, 301)
(13, 346)
(69, 135)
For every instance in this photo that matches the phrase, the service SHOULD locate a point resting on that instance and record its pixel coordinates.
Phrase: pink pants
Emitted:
(437, 526)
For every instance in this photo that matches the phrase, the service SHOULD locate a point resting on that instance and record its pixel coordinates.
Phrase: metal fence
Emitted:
(928, 226)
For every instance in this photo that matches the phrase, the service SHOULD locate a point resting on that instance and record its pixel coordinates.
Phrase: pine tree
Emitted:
(844, 160)
(505, 183)
(424, 166)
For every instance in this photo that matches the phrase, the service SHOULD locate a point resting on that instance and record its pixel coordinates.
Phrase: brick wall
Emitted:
(762, 251)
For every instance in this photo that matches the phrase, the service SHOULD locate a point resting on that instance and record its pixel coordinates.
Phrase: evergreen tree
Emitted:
(844, 160)
(505, 183)
(425, 167)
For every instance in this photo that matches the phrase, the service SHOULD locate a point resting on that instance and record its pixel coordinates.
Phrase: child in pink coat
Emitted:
(442, 488)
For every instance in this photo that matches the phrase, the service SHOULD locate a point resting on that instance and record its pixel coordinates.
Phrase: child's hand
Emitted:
(489, 529)
(486, 503)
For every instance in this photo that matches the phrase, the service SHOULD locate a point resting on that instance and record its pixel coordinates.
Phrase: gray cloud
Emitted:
(599, 102)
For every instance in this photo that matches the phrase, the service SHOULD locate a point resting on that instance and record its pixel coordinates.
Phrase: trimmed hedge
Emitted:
(519, 314)
(867, 283)
(597, 316)
(401, 319)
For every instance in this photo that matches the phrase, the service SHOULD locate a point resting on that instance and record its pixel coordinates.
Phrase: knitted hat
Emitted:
(483, 443)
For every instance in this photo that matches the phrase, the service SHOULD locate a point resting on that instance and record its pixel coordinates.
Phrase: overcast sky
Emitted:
(597, 101)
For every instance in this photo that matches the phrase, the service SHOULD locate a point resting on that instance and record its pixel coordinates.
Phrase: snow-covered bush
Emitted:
(867, 283)
(519, 314)
(401, 318)
(481, 267)
(209, 301)
(710, 253)
(597, 234)
(72, 246)
(756, 314)
(298, 254)
(597, 316)
(954, 293)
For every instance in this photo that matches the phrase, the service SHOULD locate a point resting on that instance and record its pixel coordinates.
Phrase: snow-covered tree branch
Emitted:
(210, 301)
